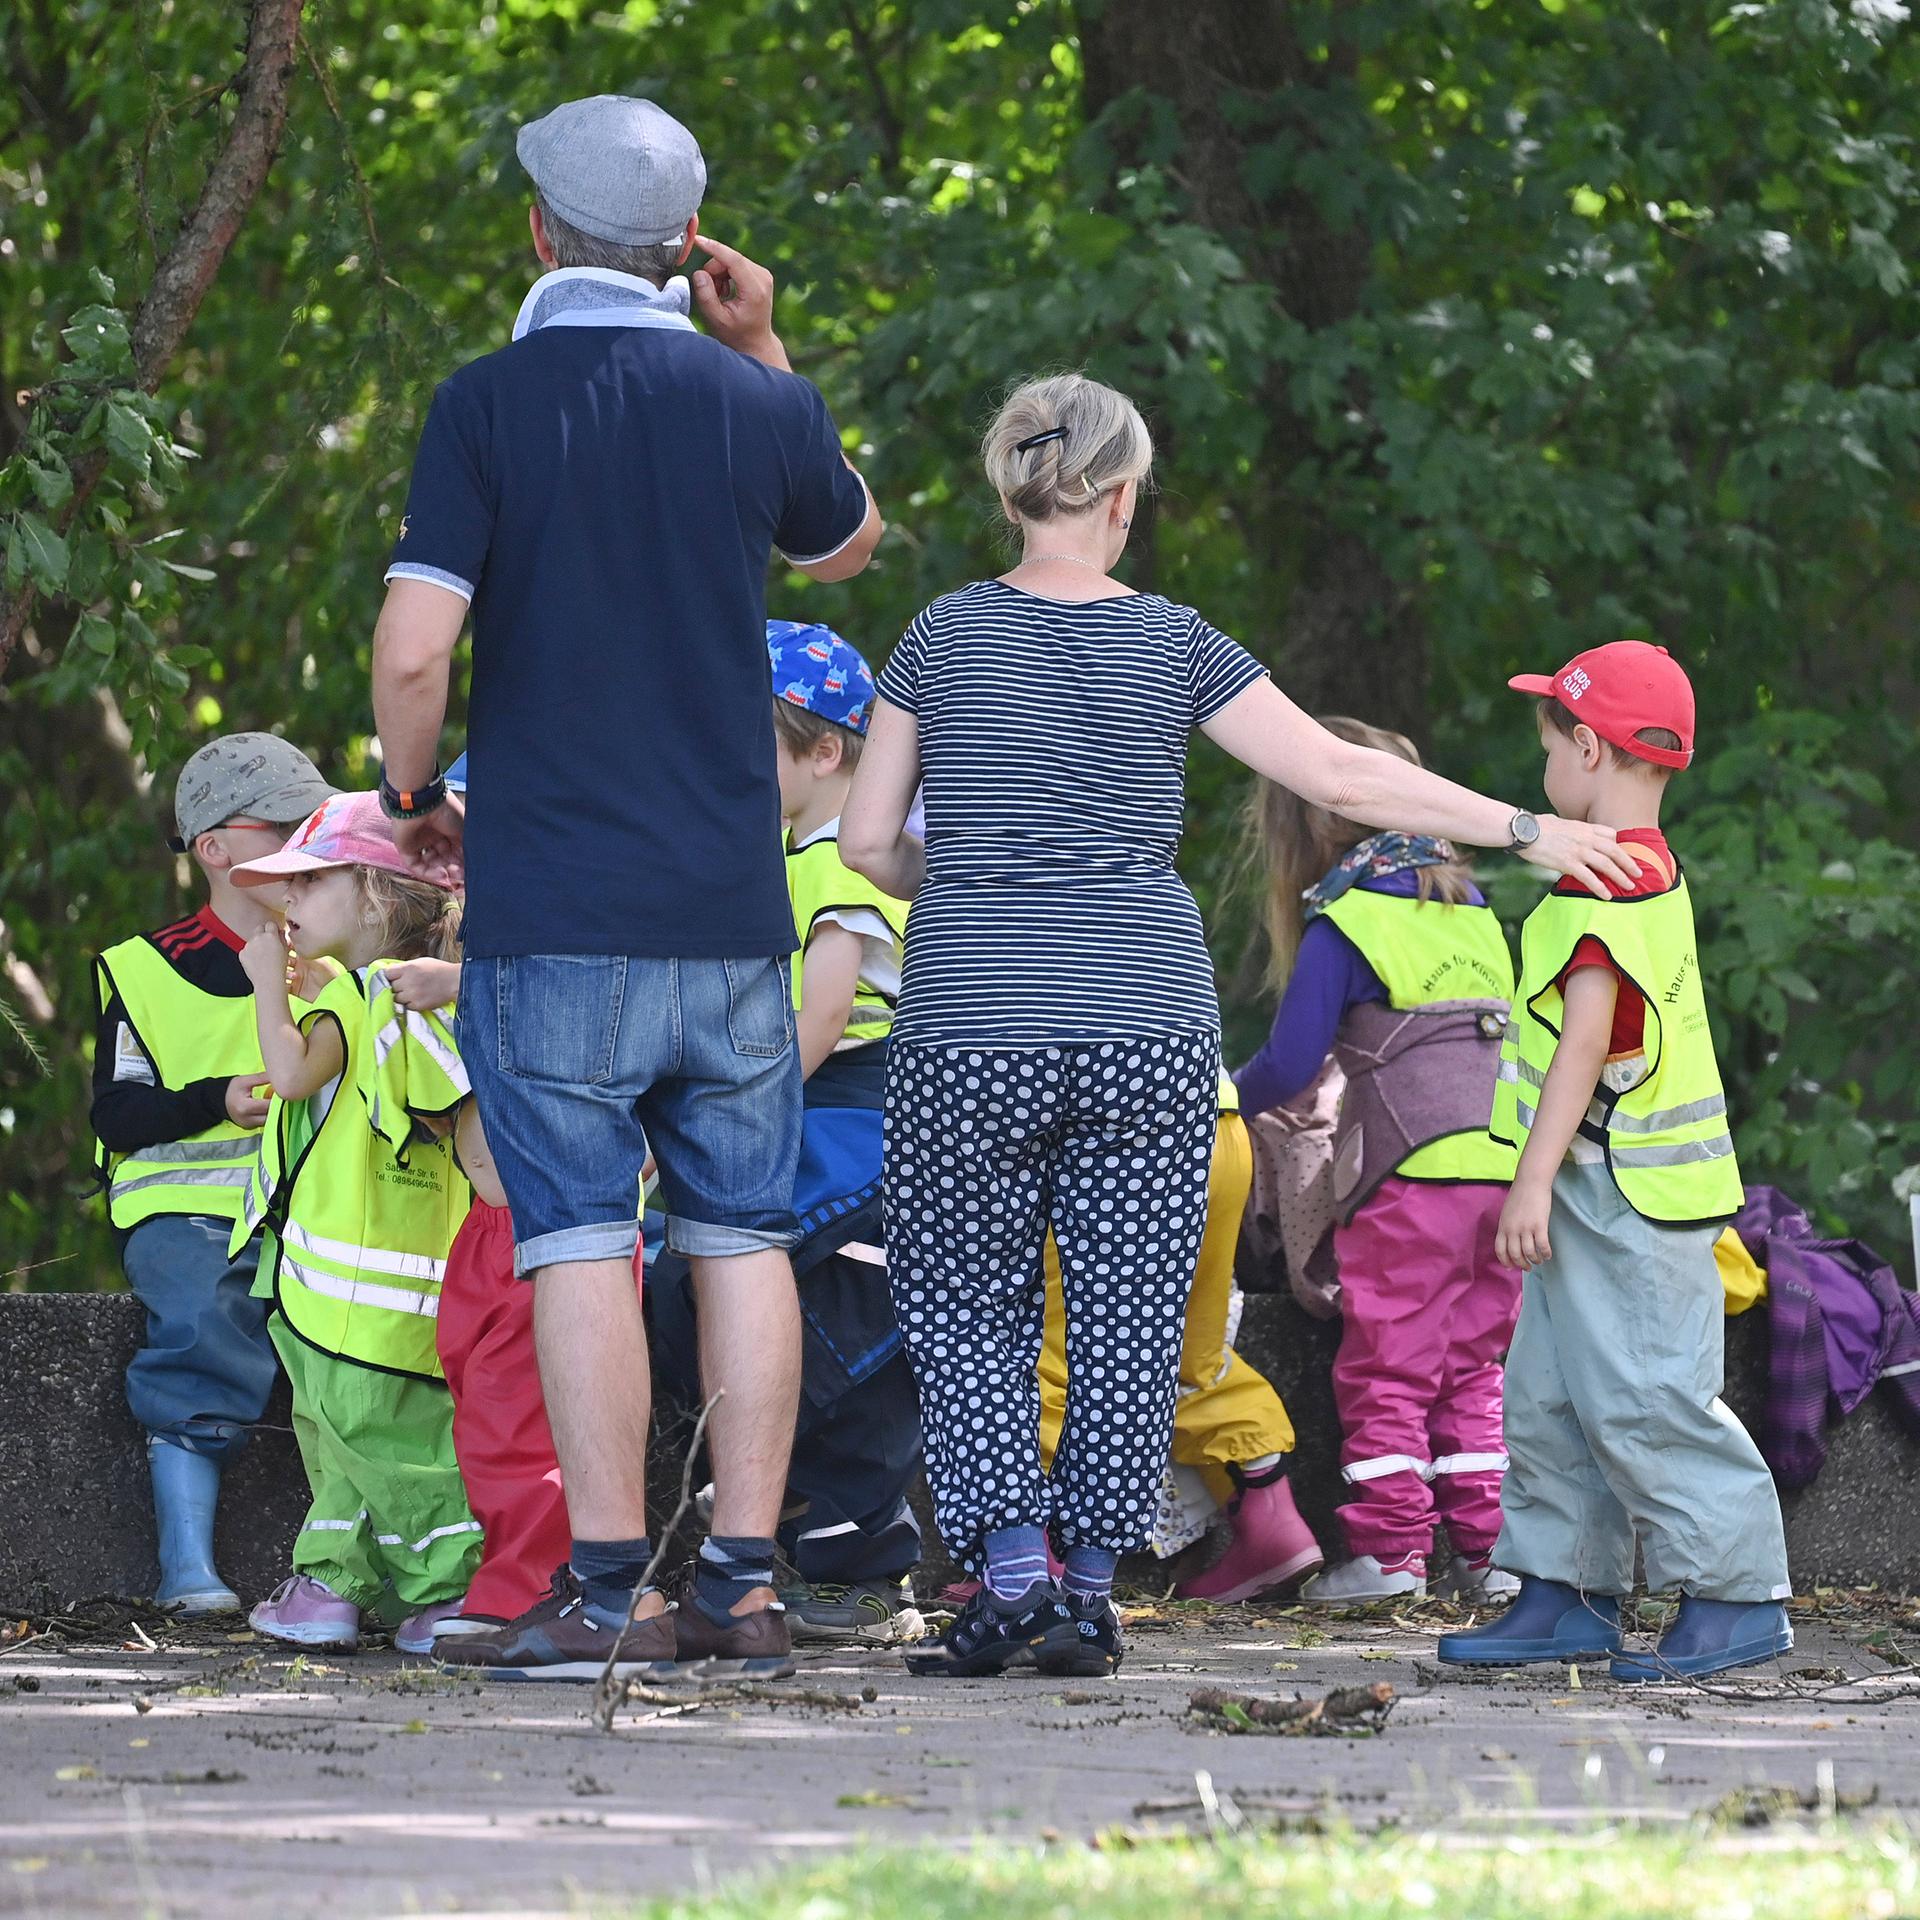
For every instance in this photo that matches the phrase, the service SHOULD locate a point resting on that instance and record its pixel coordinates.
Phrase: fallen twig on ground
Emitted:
(1346, 1711)
(609, 1691)
(730, 1692)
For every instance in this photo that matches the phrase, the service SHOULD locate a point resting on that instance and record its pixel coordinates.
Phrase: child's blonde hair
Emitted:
(417, 920)
(1298, 843)
(800, 730)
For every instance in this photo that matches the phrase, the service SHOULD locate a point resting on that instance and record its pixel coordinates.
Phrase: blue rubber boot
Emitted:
(1548, 1622)
(186, 1488)
(1710, 1636)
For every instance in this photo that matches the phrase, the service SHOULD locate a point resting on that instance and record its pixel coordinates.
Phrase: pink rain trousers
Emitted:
(1428, 1313)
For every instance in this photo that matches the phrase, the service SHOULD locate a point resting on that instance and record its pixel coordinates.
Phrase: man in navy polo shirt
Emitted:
(605, 493)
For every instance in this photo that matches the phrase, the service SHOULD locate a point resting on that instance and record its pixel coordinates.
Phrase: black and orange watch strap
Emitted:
(400, 803)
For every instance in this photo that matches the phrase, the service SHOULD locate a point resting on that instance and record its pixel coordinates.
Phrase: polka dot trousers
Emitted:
(1110, 1144)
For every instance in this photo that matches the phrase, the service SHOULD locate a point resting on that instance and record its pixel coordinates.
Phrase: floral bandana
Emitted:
(1374, 859)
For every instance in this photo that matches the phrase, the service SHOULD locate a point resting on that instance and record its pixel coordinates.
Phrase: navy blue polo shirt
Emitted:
(607, 497)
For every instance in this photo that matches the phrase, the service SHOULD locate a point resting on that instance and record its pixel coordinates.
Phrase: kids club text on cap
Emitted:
(1620, 689)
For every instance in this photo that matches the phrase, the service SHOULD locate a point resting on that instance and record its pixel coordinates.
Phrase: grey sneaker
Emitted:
(862, 1612)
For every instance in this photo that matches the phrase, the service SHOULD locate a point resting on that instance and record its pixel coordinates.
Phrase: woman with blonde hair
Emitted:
(1388, 958)
(1056, 1050)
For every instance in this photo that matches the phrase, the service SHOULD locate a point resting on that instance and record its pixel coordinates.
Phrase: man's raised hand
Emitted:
(735, 298)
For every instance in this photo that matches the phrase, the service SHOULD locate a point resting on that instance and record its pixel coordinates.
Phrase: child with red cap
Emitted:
(1615, 1429)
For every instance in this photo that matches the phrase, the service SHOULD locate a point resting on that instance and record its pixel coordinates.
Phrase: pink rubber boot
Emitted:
(1272, 1546)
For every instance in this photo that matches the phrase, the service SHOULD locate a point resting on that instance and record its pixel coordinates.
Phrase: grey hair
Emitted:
(572, 248)
(1095, 442)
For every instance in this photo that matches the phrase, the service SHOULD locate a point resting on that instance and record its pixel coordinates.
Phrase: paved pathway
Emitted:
(255, 1785)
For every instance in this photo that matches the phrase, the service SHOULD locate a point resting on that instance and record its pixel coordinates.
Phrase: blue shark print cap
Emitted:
(814, 668)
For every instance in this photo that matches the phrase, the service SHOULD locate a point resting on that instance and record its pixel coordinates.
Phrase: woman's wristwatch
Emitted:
(417, 802)
(1522, 832)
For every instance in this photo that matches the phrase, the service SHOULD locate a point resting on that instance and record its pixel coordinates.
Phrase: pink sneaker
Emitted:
(1272, 1546)
(415, 1633)
(307, 1613)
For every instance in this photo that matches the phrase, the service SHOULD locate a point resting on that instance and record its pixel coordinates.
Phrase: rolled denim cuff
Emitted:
(609, 1240)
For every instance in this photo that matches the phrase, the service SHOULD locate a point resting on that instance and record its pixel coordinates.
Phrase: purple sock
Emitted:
(1016, 1560)
(1089, 1574)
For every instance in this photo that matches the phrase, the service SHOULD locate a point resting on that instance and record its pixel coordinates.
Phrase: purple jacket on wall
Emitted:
(1839, 1324)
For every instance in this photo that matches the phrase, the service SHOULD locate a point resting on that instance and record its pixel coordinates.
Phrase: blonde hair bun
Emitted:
(1061, 444)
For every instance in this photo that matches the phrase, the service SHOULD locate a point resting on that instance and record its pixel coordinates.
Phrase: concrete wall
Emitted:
(1858, 1524)
(76, 1519)
(76, 1511)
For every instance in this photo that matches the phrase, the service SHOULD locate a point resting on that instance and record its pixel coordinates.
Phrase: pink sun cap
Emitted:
(347, 831)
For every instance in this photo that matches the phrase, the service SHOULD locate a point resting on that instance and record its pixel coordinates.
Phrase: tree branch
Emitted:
(886, 114)
(181, 279)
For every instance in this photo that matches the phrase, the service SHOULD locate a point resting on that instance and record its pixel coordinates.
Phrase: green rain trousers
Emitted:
(389, 1528)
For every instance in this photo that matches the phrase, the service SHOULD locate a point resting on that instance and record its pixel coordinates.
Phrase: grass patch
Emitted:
(1842, 1874)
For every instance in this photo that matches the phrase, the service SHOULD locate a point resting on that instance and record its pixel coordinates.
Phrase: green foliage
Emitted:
(1576, 321)
(1623, 1873)
(93, 414)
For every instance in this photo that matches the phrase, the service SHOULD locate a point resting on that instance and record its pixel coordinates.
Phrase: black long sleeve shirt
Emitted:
(131, 1109)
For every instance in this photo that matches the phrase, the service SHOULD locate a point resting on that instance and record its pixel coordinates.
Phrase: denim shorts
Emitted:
(580, 1062)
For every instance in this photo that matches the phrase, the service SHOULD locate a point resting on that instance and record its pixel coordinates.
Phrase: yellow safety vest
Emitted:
(1428, 954)
(818, 881)
(1667, 1140)
(362, 1213)
(189, 1035)
(1229, 1094)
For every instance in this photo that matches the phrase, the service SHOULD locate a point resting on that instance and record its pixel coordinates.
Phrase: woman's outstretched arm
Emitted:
(1267, 731)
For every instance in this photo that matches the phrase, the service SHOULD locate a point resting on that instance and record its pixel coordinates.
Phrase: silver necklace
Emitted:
(1072, 560)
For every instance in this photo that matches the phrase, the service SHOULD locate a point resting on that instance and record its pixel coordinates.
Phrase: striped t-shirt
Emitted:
(1053, 736)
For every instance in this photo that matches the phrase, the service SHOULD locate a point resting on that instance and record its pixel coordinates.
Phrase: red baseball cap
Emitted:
(1619, 689)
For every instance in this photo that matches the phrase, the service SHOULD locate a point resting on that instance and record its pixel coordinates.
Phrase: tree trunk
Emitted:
(188, 267)
(1346, 637)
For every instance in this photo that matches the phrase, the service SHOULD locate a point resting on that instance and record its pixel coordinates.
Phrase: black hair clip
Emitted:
(1039, 439)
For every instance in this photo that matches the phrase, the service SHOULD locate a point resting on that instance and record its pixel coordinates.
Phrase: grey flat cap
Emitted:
(622, 170)
(255, 776)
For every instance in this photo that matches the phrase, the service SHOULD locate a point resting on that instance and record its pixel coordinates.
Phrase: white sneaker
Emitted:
(1477, 1583)
(460, 1625)
(1352, 1583)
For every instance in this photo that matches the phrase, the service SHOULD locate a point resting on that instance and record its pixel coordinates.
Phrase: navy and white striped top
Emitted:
(1053, 735)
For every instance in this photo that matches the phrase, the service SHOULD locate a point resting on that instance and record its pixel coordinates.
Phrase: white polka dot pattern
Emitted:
(1111, 1144)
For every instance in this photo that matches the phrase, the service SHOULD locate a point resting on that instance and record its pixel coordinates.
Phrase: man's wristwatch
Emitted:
(417, 802)
(1522, 834)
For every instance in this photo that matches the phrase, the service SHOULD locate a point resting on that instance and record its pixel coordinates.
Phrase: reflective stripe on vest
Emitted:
(818, 881)
(189, 1035)
(1666, 1139)
(361, 1292)
(1433, 954)
(363, 1243)
(1662, 1120)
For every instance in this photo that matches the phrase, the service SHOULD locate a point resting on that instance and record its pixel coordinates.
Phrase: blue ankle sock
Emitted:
(730, 1566)
(1016, 1558)
(608, 1572)
(1089, 1574)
